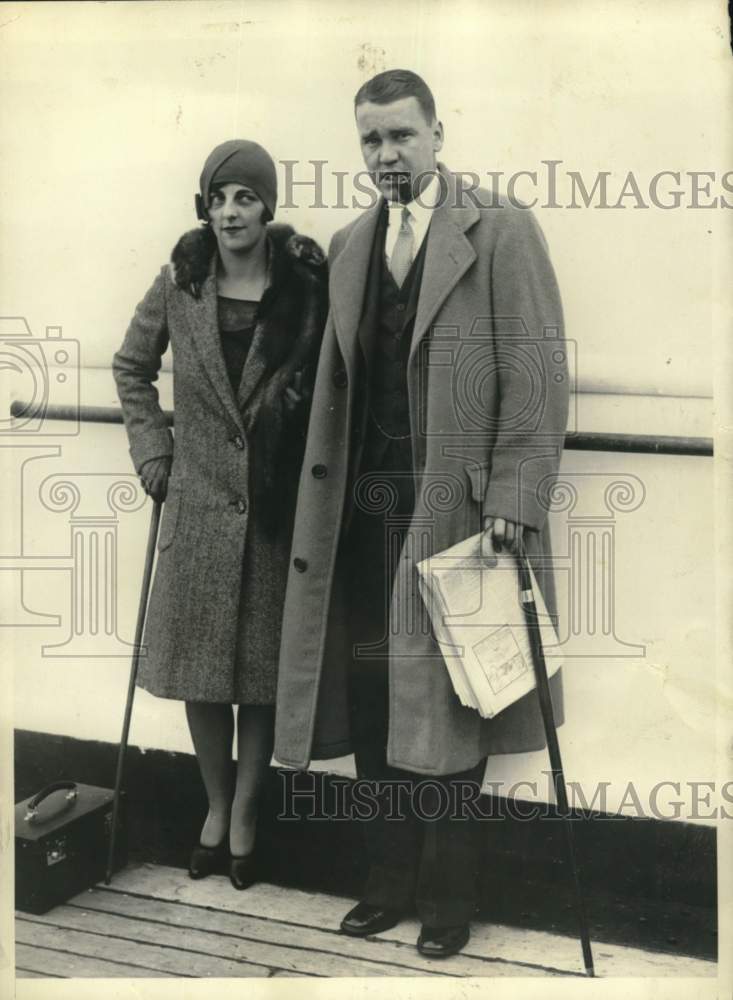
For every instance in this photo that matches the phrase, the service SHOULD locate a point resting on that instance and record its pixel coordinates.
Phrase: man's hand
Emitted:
(154, 477)
(500, 534)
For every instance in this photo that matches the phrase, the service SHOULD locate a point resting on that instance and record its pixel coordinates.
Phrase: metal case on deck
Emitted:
(62, 837)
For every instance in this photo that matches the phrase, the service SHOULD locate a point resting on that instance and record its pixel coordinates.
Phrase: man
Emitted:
(439, 411)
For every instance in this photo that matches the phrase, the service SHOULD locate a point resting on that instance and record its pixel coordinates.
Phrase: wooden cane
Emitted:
(141, 612)
(548, 719)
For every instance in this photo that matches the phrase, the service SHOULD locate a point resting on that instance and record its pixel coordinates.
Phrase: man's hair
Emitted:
(393, 85)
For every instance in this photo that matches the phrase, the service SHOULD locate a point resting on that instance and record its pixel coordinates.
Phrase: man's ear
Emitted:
(437, 136)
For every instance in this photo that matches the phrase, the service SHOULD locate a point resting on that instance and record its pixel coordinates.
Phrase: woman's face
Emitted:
(236, 217)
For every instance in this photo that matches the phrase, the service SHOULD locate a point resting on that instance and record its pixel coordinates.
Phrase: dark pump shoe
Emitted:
(441, 942)
(366, 919)
(208, 860)
(244, 870)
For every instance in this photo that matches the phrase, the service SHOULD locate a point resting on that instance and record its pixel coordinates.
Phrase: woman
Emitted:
(242, 305)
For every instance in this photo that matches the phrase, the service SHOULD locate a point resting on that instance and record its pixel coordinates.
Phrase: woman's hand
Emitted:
(154, 477)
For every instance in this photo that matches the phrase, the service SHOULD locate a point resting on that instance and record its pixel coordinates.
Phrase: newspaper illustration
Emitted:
(477, 617)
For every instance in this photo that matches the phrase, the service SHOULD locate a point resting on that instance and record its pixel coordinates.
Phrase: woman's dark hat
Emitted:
(238, 161)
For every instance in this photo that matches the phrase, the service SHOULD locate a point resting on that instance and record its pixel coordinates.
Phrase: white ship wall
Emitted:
(112, 118)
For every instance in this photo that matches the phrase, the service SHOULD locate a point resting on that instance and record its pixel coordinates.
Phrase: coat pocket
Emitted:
(478, 474)
(169, 520)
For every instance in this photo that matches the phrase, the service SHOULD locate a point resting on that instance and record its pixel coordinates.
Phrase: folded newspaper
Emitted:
(477, 617)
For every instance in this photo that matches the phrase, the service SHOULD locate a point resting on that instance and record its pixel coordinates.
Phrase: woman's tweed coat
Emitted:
(213, 624)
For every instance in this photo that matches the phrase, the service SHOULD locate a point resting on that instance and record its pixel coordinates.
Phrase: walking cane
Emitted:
(141, 612)
(548, 719)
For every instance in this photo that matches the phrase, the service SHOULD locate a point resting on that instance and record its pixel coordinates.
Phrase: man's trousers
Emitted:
(429, 862)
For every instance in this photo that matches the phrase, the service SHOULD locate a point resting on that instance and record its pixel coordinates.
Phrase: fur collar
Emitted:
(291, 316)
(192, 256)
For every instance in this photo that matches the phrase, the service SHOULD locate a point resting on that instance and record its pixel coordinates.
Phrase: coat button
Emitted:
(319, 471)
(237, 441)
(339, 378)
(400, 307)
(300, 564)
(240, 504)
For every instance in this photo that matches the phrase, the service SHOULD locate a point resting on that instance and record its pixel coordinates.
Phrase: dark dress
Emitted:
(265, 560)
(237, 318)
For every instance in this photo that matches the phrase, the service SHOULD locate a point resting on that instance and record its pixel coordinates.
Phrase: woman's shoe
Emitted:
(207, 860)
(243, 870)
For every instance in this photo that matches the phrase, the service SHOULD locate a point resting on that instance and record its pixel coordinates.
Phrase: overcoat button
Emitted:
(339, 378)
(319, 471)
(300, 564)
(238, 440)
(241, 505)
(400, 306)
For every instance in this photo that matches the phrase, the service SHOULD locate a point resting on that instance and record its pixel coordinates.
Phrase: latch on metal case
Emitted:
(56, 851)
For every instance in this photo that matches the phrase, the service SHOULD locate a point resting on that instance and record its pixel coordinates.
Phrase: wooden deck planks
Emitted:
(52, 931)
(33, 961)
(22, 973)
(205, 936)
(532, 952)
(325, 952)
(271, 902)
(155, 921)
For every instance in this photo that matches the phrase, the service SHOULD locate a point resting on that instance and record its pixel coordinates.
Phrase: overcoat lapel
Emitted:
(254, 367)
(204, 323)
(449, 253)
(348, 282)
(255, 364)
(203, 319)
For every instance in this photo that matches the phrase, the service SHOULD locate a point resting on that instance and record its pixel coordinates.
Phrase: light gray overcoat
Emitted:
(488, 396)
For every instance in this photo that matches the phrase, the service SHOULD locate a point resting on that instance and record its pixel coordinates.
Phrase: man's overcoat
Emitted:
(487, 382)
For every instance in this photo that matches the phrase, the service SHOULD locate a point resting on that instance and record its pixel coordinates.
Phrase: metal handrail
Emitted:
(644, 444)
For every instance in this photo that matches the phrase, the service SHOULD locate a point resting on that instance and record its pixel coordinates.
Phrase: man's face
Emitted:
(398, 146)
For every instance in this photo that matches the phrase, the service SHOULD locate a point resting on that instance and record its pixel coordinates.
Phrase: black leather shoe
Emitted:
(441, 942)
(208, 860)
(243, 870)
(366, 919)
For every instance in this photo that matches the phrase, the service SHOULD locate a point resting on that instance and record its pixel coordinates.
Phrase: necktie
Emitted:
(401, 258)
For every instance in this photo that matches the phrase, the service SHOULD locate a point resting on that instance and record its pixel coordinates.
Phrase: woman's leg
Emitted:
(212, 731)
(255, 738)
